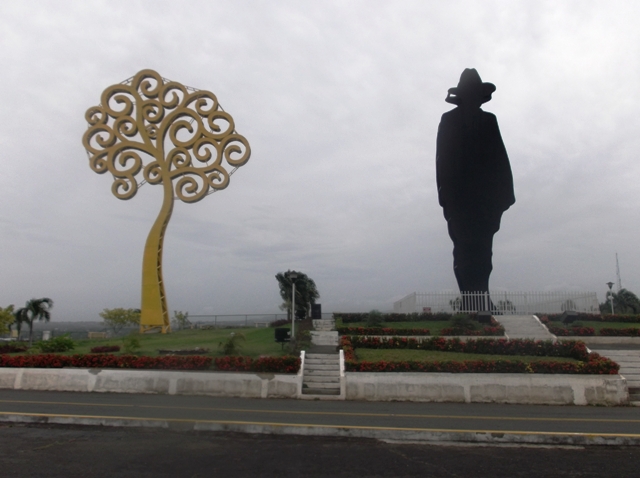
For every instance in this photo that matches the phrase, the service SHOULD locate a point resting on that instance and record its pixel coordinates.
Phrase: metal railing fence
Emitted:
(511, 303)
(239, 320)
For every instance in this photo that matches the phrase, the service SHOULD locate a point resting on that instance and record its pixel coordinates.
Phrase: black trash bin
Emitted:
(282, 335)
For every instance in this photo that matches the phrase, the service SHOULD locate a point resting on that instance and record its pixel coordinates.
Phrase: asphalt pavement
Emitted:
(68, 451)
(403, 421)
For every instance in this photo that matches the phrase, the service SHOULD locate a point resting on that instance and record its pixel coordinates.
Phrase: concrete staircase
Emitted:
(324, 333)
(629, 361)
(524, 327)
(324, 325)
(321, 374)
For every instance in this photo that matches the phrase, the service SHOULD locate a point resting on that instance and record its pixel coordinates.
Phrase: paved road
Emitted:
(36, 451)
(391, 420)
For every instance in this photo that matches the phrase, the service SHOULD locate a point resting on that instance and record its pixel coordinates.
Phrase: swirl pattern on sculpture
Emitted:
(169, 132)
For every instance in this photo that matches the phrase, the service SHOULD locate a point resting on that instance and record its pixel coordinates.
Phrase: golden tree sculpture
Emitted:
(178, 137)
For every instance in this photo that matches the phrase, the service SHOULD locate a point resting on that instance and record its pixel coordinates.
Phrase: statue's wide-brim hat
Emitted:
(470, 88)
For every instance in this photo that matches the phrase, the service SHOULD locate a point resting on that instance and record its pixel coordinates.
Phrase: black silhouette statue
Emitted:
(475, 185)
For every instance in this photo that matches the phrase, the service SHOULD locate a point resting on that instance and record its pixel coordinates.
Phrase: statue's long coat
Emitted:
(472, 167)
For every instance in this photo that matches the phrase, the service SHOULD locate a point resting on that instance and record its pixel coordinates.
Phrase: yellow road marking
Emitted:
(348, 414)
(313, 425)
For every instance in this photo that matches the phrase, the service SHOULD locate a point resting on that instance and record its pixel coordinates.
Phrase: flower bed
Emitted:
(629, 332)
(263, 364)
(106, 361)
(591, 363)
(12, 348)
(380, 331)
(597, 365)
(196, 351)
(167, 362)
(595, 327)
(103, 349)
(632, 319)
(572, 332)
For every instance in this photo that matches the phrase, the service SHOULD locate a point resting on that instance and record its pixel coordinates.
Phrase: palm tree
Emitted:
(624, 302)
(306, 292)
(35, 309)
(20, 316)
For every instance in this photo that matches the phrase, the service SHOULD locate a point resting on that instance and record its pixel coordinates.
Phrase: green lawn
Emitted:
(259, 341)
(399, 355)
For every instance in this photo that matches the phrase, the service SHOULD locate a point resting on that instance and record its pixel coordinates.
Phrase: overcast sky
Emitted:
(340, 102)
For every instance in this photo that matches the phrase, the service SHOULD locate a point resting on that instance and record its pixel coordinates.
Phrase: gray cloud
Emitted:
(340, 102)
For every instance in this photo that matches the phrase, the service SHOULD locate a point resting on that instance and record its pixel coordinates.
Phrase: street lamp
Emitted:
(610, 284)
(293, 275)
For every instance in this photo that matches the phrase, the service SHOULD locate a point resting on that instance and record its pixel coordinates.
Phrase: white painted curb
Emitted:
(410, 386)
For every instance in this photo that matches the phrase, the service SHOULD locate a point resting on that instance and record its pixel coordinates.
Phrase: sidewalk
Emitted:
(402, 421)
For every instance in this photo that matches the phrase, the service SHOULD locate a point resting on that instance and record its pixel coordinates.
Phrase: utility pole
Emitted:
(619, 284)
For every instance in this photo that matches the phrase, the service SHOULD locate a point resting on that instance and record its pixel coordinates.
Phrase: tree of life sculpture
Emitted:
(180, 138)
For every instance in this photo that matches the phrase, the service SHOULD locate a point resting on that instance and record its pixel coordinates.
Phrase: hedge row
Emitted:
(581, 316)
(590, 331)
(349, 318)
(167, 362)
(380, 331)
(591, 363)
(629, 332)
(106, 361)
(450, 331)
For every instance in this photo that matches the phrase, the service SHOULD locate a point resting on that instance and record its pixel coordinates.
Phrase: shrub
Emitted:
(463, 322)
(63, 343)
(181, 320)
(279, 323)
(7, 318)
(375, 319)
(116, 319)
(131, 344)
(231, 346)
(103, 349)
